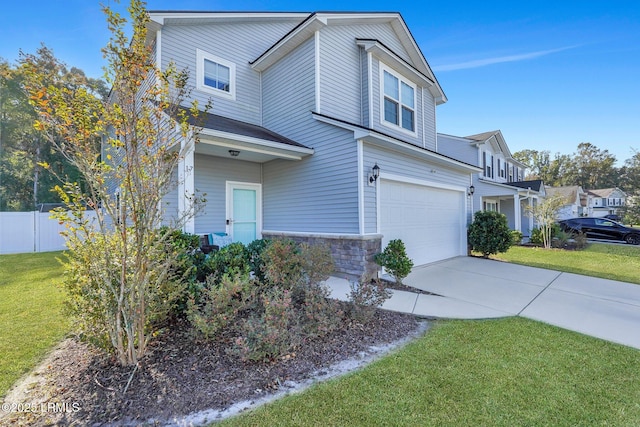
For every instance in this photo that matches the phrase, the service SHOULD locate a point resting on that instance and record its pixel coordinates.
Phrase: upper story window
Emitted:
(399, 101)
(215, 75)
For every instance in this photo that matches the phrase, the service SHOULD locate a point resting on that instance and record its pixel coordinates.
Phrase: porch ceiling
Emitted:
(257, 150)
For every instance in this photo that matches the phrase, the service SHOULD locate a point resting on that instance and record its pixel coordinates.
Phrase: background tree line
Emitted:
(23, 182)
(589, 167)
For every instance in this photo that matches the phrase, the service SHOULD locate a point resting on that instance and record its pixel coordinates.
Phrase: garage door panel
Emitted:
(427, 219)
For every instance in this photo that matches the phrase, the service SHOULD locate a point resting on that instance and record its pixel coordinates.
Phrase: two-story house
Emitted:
(323, 129)
(576, 201)
(500, 185)
(606, 201)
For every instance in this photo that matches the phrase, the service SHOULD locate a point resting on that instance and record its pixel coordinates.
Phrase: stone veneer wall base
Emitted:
(352, 254)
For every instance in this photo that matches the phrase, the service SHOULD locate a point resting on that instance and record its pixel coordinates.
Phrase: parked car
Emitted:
(602, 228)
(614, 217)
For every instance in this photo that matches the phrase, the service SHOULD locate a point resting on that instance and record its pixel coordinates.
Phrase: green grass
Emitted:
(616, 262)
(506, 372)
(31, 321)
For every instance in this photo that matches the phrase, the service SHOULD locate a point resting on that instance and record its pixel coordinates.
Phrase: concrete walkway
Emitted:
(475, 288)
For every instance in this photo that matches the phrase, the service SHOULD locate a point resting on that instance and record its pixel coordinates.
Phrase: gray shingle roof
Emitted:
(225, 124)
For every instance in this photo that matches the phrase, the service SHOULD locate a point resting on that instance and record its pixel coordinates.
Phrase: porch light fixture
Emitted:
(375, 174)
(472, 190)
(234, 153)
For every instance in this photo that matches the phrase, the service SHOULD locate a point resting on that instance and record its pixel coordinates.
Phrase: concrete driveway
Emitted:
(475, 288)
(601, 308)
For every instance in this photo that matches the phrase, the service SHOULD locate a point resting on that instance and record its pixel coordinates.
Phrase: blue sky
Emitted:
(548, 74)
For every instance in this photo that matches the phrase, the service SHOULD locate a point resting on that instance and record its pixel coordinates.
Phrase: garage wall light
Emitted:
(472, 190)
(375, 174)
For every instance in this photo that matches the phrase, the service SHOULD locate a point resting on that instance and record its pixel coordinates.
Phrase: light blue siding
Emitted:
(319, 193)
(408, 166)
(458, 148)
(288, 89)
(212, 174)
(341, 89)
(239, 43)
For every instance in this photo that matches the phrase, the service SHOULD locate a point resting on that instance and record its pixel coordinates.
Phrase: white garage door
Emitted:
(429, 220)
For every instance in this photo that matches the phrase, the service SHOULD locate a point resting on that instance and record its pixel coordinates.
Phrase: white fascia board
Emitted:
(160, 17)
(391, 59)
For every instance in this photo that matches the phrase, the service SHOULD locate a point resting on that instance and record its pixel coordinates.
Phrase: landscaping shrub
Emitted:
(395, 260)
(256, 262)
(222, 305)
(536, 236)
(282, 264)
(489, 233)
(561, 239)
(366, 295)
(581, 240)
(231, 260)
(516, 237)
(272, 334)
(93, 285)
(266, 319)
(187, 265)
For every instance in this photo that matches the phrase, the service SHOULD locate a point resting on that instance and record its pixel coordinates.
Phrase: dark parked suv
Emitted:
(602, 228)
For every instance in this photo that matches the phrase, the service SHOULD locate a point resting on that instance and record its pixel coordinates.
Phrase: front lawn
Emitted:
(616, 262)
(31, 321)
(495, 373)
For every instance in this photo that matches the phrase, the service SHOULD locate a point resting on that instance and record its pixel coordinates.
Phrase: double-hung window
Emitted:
(216, 75)
(399, 101)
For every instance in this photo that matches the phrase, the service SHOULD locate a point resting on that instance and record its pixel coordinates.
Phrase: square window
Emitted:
(215, 75)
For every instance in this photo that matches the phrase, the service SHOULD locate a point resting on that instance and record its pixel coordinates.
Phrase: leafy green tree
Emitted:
(119, 267)
(591, 168)
(23, 182)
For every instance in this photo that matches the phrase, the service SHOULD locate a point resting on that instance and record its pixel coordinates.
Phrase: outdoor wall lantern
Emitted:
(234, 153)
(375, 174)
(472, 190)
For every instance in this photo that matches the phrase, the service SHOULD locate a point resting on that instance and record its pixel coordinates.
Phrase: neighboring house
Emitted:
(499, 186)
(606, 201)
(576, 201)
(308, 110)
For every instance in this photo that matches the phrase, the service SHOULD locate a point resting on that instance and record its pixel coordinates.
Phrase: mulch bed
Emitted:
(182, 375)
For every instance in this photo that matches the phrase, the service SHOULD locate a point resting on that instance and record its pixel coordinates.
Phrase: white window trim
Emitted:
(398, 127)
(201, 55)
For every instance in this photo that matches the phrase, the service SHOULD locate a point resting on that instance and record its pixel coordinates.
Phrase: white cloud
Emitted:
(497, 60)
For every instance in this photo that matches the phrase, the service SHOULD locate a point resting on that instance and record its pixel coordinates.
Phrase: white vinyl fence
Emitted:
(22, 232)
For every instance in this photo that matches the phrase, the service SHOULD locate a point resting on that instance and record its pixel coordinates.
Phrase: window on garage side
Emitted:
(399, 101)
(215, 75)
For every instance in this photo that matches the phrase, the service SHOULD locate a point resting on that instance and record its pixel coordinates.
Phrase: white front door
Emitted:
(244, 211)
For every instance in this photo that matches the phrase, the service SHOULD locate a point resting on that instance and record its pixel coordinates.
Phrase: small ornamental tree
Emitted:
(395, 260)
(120, 270)
(545, 214)
(489, 233)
